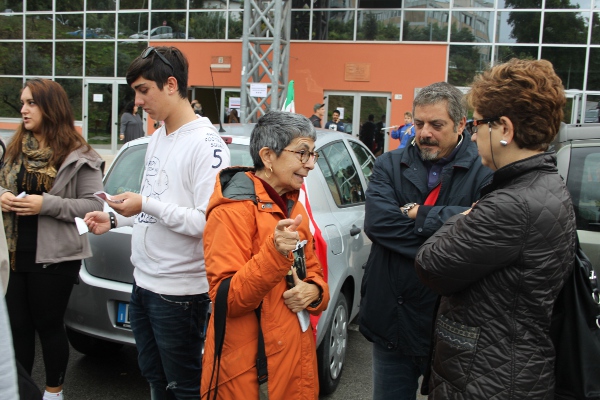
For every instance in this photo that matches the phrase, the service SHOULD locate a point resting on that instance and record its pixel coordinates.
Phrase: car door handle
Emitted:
(355, 230)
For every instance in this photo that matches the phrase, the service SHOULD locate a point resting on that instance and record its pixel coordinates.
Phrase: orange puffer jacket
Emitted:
(238, 243)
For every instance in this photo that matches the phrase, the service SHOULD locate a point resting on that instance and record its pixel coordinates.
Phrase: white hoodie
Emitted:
(179, 178)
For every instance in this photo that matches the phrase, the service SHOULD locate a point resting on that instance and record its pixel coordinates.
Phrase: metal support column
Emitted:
(265, 55)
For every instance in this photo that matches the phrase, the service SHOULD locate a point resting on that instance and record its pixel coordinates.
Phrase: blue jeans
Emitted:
(395, 375)
(169, 332)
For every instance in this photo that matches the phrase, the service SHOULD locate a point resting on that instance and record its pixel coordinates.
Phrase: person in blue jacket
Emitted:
(405, 132)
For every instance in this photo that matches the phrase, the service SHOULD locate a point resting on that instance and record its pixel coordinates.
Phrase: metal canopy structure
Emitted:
(265, 56)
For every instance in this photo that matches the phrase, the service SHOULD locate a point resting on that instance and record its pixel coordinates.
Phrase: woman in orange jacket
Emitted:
(254, 224)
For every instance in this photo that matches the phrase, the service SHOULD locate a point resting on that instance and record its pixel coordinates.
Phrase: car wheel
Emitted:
(91, 346)
(331, 354)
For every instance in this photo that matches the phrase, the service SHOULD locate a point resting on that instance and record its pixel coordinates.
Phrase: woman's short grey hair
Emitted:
(443, 91)
(276, 130)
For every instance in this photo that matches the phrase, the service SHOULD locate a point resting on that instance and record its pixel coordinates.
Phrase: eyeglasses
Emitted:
(146, 53)
(472, 126)
(305, 155)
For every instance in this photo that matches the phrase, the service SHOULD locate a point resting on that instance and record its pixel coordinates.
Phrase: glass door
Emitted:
(104, 101)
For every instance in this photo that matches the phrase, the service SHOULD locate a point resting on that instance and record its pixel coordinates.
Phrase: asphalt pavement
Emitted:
(117, 377)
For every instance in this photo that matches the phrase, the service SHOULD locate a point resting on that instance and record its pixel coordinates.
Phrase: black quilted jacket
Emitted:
(499, 270)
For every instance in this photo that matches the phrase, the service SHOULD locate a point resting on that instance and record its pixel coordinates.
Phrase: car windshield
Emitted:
(126, 175)
(591, 113)
(584, 185)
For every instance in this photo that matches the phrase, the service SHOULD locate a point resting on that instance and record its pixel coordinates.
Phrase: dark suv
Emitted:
(578, 154)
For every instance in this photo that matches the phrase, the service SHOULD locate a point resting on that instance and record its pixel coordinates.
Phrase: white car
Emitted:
(96, 319)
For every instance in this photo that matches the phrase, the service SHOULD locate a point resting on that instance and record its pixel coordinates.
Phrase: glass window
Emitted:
(240, 155)
(465, 62)
(10, 91)
(583, 183)
(378, 25)
(39, 5)
(518, 27)
(571, 4)
(11, 26)
(569, 63)
(69, 26)
(100, 25)
(127, 52)
(333, 25)
(565, 28)
(167, 25)
(505, 53)
(13, 6)
(38, 26)
(69, 5)
(133, 25)
(365, 159)
(208, 25)
(11, 58)
(300, 25)
(101, 5)
(471, 26)
(100, 59)
(236, 25)
(474, 3)
(340, 174)
(425, 26)
(133, 5)
(69, 58)
(379, 4)
(330, 3)
(38, 58)
(127, 173)
(73, 87)
(595, 29)
(201, 4)
(522, 4)
(593, 78)
(171, 4)
(426, 3)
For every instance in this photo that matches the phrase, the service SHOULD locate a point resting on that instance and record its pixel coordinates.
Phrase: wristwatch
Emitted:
(407, 207)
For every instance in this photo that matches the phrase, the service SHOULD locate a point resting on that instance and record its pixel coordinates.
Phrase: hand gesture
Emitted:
(98, 222)
(286, 235)
(131, 205)
(301, 295)
(6, 201)
(28, 205)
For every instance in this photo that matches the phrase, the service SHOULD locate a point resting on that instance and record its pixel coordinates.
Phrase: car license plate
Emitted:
(123, 315)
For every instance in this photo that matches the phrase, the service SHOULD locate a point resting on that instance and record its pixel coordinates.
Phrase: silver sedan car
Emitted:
(97, 319)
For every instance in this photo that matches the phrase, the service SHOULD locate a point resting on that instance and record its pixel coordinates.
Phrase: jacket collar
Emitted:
(540, 162)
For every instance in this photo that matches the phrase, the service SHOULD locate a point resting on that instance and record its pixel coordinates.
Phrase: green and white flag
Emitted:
(289, 105)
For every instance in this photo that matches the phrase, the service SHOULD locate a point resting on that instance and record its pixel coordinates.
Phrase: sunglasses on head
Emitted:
(147, 52)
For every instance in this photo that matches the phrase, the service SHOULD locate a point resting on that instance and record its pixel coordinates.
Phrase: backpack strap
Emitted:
(220, 318)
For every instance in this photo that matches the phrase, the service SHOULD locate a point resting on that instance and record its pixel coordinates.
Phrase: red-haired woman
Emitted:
(58, 170)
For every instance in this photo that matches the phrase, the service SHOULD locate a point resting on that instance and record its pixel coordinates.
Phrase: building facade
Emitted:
(360, 56)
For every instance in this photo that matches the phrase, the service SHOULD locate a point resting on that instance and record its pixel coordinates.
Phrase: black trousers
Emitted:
(37, 302)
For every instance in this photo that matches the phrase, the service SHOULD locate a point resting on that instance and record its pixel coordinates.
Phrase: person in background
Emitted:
(49, 160)
(169, 300)
(132, 126)
(406, 203)
(500, 265)
(319, 112)
(233, 117)
(335, 124)
(405, 133)
(379, 138)
(367, 132)
(262, 235)
(197, 107)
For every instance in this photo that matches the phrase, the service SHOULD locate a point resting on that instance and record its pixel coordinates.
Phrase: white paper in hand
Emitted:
(304, 319)
(22, 195)
(106, 197)
(81, 226)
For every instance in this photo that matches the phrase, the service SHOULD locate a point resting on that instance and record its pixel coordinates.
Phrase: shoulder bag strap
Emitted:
(261, 361)
(220, 316)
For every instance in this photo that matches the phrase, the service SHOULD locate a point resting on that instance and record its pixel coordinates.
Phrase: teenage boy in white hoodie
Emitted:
(170, 290)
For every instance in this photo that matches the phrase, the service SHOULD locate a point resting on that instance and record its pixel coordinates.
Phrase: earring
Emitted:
(269, 176)
(503, 142)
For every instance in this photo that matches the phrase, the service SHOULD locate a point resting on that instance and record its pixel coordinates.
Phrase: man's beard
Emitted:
(426, 153)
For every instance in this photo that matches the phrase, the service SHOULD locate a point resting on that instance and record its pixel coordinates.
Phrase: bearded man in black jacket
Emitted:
(412, 192)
